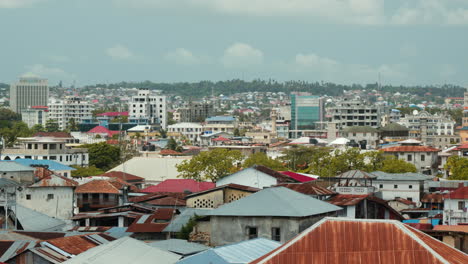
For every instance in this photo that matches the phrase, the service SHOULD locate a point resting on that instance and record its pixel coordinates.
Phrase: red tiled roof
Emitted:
(180, 186)
(154, 223)
(404, 201)
(123, 176)
(113, 185)
(460, 193)
(308, 188)
(297, 176)
(454, 228)
(381, 242)
(410, 149)
(53, 134)
(433, 198)
(170, 152)
(220, 138)
(102, 130)
(462, 147)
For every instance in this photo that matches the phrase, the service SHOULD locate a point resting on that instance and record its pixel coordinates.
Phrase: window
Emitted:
(28, 197)
(423, 158)
(276, 233)
(410, 186)
(252, 232)
(44, 146)
(410, 157)
(395, 186)
(461, 205)
(50, 196)
(380, 186)
(409, 199)
(105, 197)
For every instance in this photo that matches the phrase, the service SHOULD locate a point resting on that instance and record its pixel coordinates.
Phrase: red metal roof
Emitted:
(220, 139)
(280, 177)
(410, 149)
(154, 223)
(462, 147)
(454, 228)
(123, 176)
(347, 199)
(373, 241)
(298, 177)
(180, 186)
(308, 188)
(433, 198)
(170, 152)
(113, 114)
(77, 244)
(102, 130)
(460, 193)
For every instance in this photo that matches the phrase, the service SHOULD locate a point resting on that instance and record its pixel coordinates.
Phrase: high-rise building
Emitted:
(196, 112)
(306, 112)
(35, 115)
(63, 111)
(29, 91)
(355, 112)
(146, 108)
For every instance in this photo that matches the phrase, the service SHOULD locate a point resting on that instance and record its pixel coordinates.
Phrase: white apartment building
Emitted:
(62, 111)
(146, 108)
(35, 115)
(355, 112)
(192, 131)
(29, 91)
(431, 125)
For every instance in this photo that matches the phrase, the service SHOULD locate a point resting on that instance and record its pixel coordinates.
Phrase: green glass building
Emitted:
(306, 111)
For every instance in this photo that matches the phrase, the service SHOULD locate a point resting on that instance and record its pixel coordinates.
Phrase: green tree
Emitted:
(458, 168)
(188, 228)
(210, 165)
(393, 165)
(261, 158)
(172, 144)
(37, 128)
(163, 133)
(86, 171)
(72, 125)
(236, 132)
(298, 158)
(102, 155)
(17, 129)
(52, 126)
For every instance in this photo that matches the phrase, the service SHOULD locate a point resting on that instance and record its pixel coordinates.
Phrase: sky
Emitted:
(412, 42)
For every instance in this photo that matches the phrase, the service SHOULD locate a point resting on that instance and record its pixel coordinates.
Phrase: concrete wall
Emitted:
(60, 206)
(18, 176)
(249, 177)
(403, 190)
(216, 198)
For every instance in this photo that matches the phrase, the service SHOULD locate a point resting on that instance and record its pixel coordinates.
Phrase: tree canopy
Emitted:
(86, 171)
(102, 155)
(261, 158)
(458, 168)
(210, 165)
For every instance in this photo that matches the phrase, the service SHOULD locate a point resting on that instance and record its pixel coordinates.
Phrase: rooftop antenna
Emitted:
(379, 84)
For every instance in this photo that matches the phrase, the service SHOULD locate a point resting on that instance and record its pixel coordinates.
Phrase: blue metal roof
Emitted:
(53, 165)
(242, 252)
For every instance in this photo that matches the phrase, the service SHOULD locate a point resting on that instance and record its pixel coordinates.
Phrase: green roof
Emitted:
(360, 129)
(277, 201)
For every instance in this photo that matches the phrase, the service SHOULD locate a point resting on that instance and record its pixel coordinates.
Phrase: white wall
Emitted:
(403, 190)
(249, 177)
(60, 206)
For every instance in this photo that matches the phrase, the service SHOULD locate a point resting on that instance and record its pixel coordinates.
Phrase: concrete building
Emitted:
(254, 216)
(35, 115)
(306, 112)
(365, 137)
(257, 176)
(191, 131)
(195, 112)
(17, 172)
(423, 124)
(221, 124)
(456, 206)
(424, 158)
(41, 148)
(63, 111)
(215, 197)
(146, 108)
(356, 113)
(29, 91)
(464, 129)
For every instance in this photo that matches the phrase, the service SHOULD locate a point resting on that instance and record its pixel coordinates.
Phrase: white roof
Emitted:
(139, 128)
(152, 168)
(410, 141)
(185, 125)
(339, 141)
(125, 250)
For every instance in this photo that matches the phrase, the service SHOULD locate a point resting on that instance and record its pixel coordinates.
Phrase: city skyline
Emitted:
(351, 41)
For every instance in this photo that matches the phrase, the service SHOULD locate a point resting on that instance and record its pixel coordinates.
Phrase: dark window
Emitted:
(85, 196)
(461, 205)
(252, 232)
(423, 158)
(44, 146)
(276, 233)
(395, 186)
(410, 186)
(28, 197)
(106, 197)
(50, 196)
(380, 186)
(409, 199)
(410, 158)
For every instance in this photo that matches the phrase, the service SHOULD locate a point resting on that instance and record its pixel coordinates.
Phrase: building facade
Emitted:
(70, 108)
(424, 124)
(35, 115)
(191, 131)
(195, 112)
(349, 113)
(146, 108)
(306, 112)
(29, 91)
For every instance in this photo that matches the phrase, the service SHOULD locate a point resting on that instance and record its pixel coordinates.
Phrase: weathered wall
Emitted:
(60, 206)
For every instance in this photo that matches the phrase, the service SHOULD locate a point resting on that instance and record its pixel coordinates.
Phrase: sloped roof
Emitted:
(347, 199)
(151, 223)
(125, 250)
(226, 186)
(80, 243)
(433, 198)
(13, 166)
(462, 147)
(179, 246)
(220, 119)
(410, 149)
(32, 220)
(356, 174)
(308, 188)
(51, 164)
(170, 152)
(55, 181)
(10, 249)
(123, 176)
(53, 134)
(460, 193)
(220, 138)
(292, 204)
(281, 178)
(100, 186)
(408, 176)
(377, 241)
(179, 186)
(183, 218)
(8, 183)
(102, 130)
(453, 228)
(298, 176)
(242, 252)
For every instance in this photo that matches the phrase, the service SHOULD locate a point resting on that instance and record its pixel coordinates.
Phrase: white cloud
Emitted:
(49, 72)
(372, 12)
(332, 70)
(241, 55)
(183, 57)
(120, 52)
(17, 3)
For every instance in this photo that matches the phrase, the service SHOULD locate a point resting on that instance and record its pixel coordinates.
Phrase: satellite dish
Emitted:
(418, 204)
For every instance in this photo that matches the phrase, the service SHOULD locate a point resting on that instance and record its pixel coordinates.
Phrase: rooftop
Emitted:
(51, 164)
(410, 149)
(180, 186)
(14, 166)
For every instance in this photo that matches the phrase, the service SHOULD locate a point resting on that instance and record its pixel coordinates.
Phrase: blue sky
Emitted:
(343, 41)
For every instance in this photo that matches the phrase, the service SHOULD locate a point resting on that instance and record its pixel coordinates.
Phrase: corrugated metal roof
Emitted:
(179, 246)
(52, 165)
(32, 220)
(292, 204)
(8, 183)
(375, 241)
(125, 250)
(242, 252)
(356, 174)
(179, 186)
(153, 223)
(308, 188)
(182, 219)
(118, 232)
(220, 119)
(13, 166)
(409, 176)
(55, 181)
(410, 149)
(460, 193)
(10, 249)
